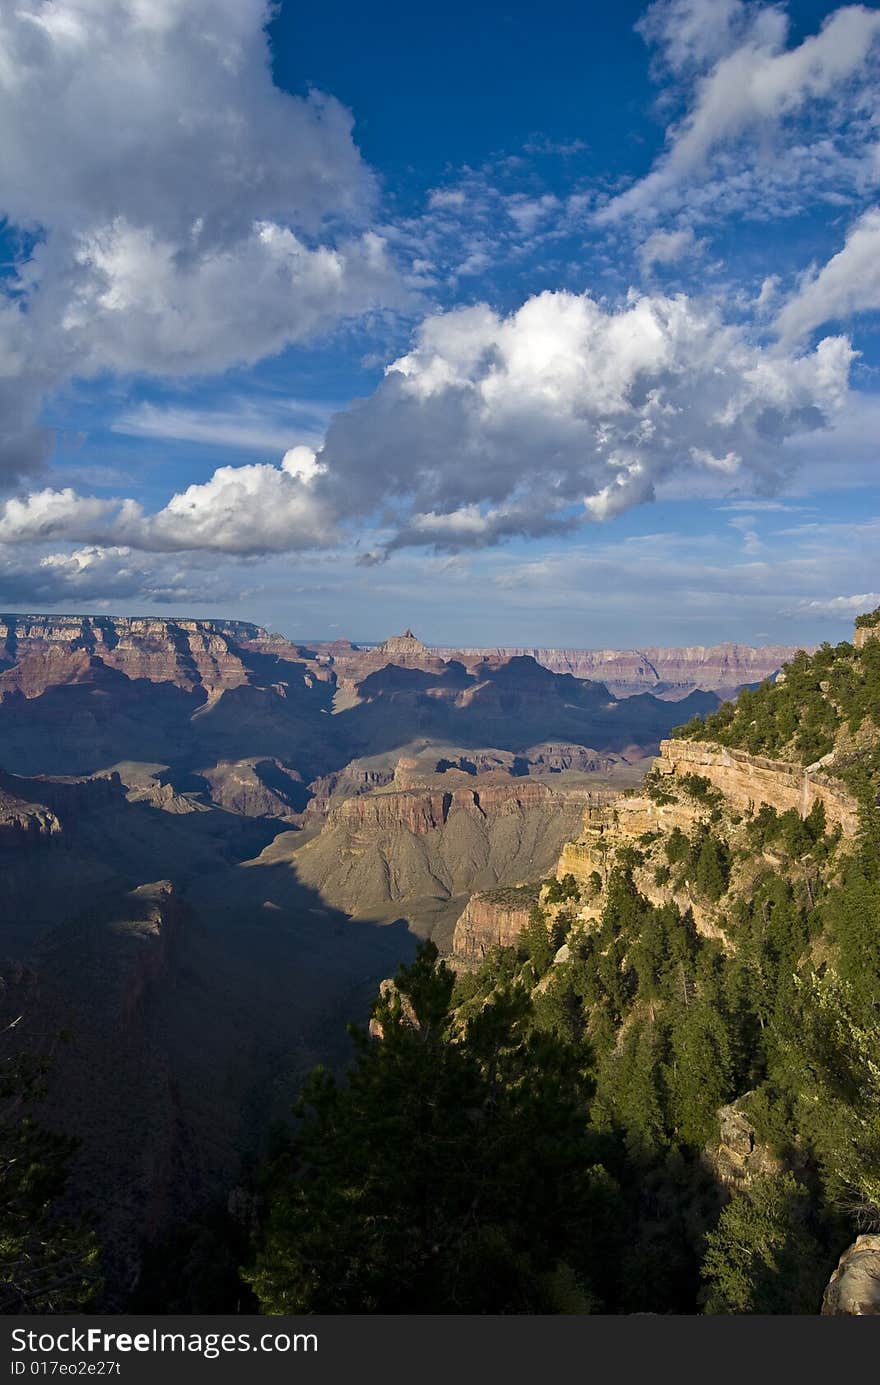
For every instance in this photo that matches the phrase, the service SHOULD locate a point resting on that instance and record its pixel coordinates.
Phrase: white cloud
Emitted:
(242, 510)
(849, 283)
(190, 214)
(566, 409)
(836, 606)
(693, 33)
(563, 412)
(749, 87)
(102, 574)
(164, 113)
(666, 247)
(49, 513)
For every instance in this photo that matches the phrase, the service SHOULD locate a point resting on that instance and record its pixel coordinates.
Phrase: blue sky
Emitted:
(547, 324)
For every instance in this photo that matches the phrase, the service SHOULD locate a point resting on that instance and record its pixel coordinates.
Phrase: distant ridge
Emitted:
(667, 672)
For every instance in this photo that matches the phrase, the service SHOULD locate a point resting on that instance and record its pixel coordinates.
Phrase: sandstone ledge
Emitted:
(747, 781)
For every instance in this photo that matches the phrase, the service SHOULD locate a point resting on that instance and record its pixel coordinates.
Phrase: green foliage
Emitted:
(677, 848)
(711, 866)
(438, 1173)
(801, 717)
(540, 941)
(513, 896)
(47, 1264)
(764, 1256)
(699, 788)
(658, 788)
(559, 891)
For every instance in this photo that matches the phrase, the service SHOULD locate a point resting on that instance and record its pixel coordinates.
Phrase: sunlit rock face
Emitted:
(854, 1287)
(188, 653)
(750, 780)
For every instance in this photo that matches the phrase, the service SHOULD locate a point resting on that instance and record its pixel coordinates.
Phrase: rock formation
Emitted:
(492, 918)
(747, 781)
(867, 629)
(737, 1157)
(854, 1287)
(668, 673)
(399, 648)
(418, 853)
(188, 653)
(23, 823)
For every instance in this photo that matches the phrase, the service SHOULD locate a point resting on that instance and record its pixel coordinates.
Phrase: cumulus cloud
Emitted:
(185, 213)
(242, 510)
(566, 410)
(849, 283)
(747, 89)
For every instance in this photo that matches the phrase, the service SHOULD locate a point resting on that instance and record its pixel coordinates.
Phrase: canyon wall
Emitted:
(747, 781)
(492, 918)
(420, 853)
(670, 673)
(188, 653)
(23, 823)
(863, 633)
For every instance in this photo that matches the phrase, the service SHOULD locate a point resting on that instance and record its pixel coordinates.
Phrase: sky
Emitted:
(517, 324)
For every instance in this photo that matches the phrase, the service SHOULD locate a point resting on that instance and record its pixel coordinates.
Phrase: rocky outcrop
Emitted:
(747, 781)
(24, 824)
(256, 788)
(868, 630)
(64, 799)
(415, 810)
(421, 810)
(737, 1156)
(617, 821)
(353, 779)
(166, 798)
(492, 918)
(668, 673)
(744, 782)
(389, 995)
(402, 647)
(144, 934)
(854, 1287)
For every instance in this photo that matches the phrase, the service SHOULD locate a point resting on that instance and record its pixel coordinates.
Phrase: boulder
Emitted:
(854, 1287)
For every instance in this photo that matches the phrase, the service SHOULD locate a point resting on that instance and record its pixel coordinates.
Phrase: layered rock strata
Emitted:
(670, 673)
(492, 918)
(747, 781)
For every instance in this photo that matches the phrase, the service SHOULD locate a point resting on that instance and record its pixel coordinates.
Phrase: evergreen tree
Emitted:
(764, 1256)
(47, 1264)
(438, 1175)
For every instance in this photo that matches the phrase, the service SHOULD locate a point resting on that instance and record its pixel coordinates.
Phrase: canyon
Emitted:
(668, 673)
(745, 782)
(215, 842)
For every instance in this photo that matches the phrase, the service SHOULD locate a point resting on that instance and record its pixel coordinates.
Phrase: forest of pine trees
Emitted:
(537, 1136)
